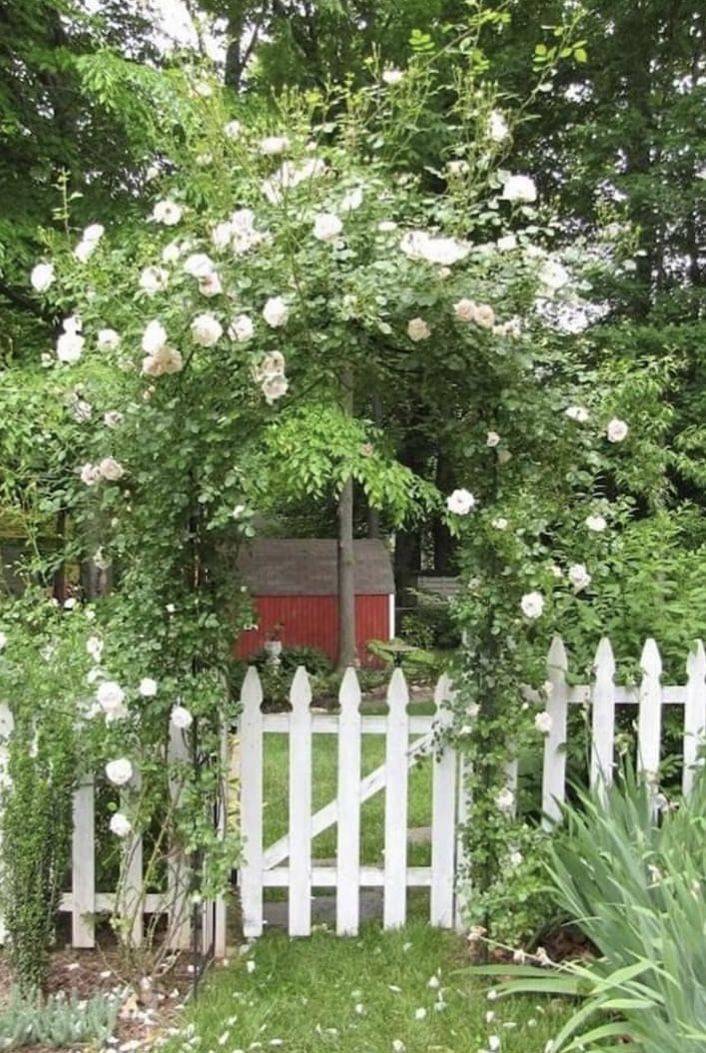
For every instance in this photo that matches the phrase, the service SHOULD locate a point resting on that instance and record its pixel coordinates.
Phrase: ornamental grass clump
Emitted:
(59, 1021)
(630, 870)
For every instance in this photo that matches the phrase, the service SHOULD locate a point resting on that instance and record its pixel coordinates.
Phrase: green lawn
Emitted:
(370, 994)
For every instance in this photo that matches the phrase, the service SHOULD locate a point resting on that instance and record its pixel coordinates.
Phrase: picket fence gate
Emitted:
(408, 737)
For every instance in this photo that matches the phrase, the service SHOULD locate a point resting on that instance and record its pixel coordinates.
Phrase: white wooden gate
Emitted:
(288, 862)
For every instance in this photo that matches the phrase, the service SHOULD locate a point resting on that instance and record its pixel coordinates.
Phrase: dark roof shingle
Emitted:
(308, 567)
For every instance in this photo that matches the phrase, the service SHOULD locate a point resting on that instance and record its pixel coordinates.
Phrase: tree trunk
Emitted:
(374, 513)
(346, 553)
(444, 547)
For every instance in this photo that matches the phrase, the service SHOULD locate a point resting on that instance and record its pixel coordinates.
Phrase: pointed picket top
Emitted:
(696, 663)
(300, 692)
(651, 661)
(349, 692)
(443, 694)
(557, 658)
(604, 662)
(251, 692)
(397, 692)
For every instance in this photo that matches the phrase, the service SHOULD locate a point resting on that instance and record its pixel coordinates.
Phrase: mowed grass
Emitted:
(409, 990)
(325, 768)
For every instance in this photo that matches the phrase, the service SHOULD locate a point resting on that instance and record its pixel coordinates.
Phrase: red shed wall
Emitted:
(312, 621)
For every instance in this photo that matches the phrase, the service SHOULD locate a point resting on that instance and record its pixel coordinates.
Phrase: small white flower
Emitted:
(327, 226)
(484, 316)
(578, 413)
(171, 252)
(154, 337)
(250, 966)
(417, 329)
(398, 1046)
(465, 310)
(492, 995)
(499, 523)
(386, 226)
(275, 312)
(493, 1043)
(434, 982)
(221, 235)
(272, 145)
(199, 265)
(232, 129)
(392, 76)
(42, 277)
(181, 718)
(154, 280)
(532, 604)
(107, 340)
(168, 213)
(93, 233)
(119, 771)
(274, 388)
(84, 250)
(241, 329)
(69, 347)
(352, 201)
(420, 1014)
(90, 474)
(111, 698)
(579, 576)
(120, 825)
(498, 130)
(70, 603)
(492, 439)
(210, 285)
(507, 243)
(148, 687)
(419, 245)
(460, 502)
(490, 1016)
(617, 430)
(596, 523)
(516, 858)
(553, 276)
(206, 330)
(94, 647)
(111, 470)
(112, 419)
(80, 410)
(519, 188)
(458, 167)
(543, 723)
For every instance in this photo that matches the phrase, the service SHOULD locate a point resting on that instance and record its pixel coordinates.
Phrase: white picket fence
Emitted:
(289, 864)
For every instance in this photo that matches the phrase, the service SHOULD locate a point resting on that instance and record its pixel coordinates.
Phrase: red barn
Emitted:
(294, 586)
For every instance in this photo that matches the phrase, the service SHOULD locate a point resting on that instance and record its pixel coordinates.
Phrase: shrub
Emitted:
(59, 1021)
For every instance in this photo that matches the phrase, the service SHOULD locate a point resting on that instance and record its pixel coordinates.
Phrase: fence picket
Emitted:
(133, 892)
(178, 875)
(251, 773)
(554, 776)
(694, 712)
(443, 823)
(220, 919)
(7, 723)
(83, 866)
(603, 725)
(348, 846)
(463, 891)
(300, 772)
(395, 903)
(649, 724)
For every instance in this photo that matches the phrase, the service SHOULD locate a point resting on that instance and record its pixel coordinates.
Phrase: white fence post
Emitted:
(300, 773)
(603, 725)
(694, 712)
(395, 882)
(83, 866)
(649, 724)
(178, 870)
(251, 773)
(348, 847)
(443, 823)
(554, 775)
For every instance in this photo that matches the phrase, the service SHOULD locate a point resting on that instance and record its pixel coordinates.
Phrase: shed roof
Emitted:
(309, 567)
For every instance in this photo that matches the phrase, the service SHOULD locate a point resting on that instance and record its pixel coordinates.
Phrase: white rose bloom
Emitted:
(386, 226)
(553, 276)
(84, 250)
(206, 330)
(107, 340)
(543, 723)
(154, 280)
(69, 348)
(460, 502)
(500, 523)
(272, 365)
(210, 285)
(72, 324)
(154, 337)
(148, 687)
(275, 312)
(111, 698)
(168, 213)
(419, 245)
(119, 771)
(484, 316)
(93, 233)
(579, 577)
(617, 430)
(120, 825)
(3, 641)
(272, 145)
(327, 227)
(520, 188)
(221, 235)
(232, 129)
(458, 167)
(273, 388)
(465, 310)
(181, 718)
(165, 360)
(241, 329)
(90, 474)
(171, 252)
(507, 243)
(596, 523)
(352, 200)
(42, 277)
(112, 418)
(498, 130)
(392, 76)
(111, 470)
(417, 329)
(81, 410)
(505, 801)
(199, 265)
(492, 439)
(532, 604)
(578, 413)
